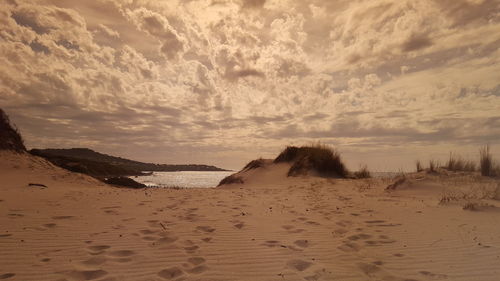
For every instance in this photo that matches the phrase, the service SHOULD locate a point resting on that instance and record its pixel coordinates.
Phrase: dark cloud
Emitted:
(416, 43)
(26, 17)
(465, 12)
(253, 3)
(39, 47)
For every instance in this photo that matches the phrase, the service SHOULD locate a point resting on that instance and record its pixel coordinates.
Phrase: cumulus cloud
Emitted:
(191, 79)
(158, 26)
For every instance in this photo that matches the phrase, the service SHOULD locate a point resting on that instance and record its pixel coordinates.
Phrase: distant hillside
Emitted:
(90, 162)
(10, 138)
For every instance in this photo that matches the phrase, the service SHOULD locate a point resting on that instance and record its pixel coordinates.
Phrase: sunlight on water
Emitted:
(187, 179)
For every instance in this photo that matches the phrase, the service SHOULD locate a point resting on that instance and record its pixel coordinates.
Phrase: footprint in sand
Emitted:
(15, 215)
(148, 231)
(87, 274)
(170, 273)
(344, 223)
(361, 236)
(299, 265)
(121, 253)
(7, 275)
(433, 275)
(349, 247)
(94, 261)
(153, 223)
(98, 248)
(62, 217)
(205, 228)
(149, 238)
(375, 221)
(368, 269)
(166, 239)
(271, 243)
(191, 249)
(198, 269)
(239, 225)
(196, 260)
(302, 243)
(339, 232)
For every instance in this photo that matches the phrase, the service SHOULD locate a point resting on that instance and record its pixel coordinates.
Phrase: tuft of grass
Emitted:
(457, 163)
(320, 158)
(433, 165)
(288, 155)
(419, 166)
(363, 173)
(487, 166)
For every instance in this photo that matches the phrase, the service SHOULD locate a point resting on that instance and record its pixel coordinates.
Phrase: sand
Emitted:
(271, 228)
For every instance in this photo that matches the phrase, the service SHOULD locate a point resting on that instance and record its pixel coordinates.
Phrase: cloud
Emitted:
(415, 43)
(201, 76)
(253, 3)
(158, 26)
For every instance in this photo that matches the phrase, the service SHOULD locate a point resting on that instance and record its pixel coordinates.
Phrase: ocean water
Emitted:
(184, 179)
(188, 179)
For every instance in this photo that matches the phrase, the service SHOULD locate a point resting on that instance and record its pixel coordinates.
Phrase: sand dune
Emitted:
(270, 228)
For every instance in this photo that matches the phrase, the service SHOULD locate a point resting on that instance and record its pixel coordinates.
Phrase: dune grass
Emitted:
(254, 164)
(362, 173)
(321, 158)
(457, 163)
(433, 166)
(488, 166)
(419, 166)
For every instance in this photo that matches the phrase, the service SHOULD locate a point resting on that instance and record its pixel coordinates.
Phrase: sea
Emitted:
(190, 179)
(183, 179)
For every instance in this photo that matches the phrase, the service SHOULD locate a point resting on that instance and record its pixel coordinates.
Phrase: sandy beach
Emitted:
(270, 228)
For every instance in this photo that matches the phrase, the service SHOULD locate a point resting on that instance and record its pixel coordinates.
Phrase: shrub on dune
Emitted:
(320, 158)
(10, 138)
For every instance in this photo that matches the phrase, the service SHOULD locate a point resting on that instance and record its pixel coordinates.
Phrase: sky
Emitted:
(223, 82)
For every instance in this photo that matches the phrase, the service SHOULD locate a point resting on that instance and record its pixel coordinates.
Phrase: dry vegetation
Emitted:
(456, 163)
(320, 158)
(363, 173)
(419, 166)
(10, 138)
(488, 167)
